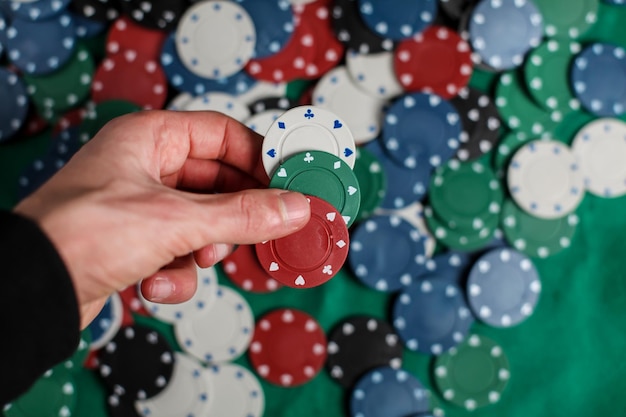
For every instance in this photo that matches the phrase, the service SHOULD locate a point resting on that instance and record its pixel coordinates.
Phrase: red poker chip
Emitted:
(312, 255)
(436, 61)
(245, 271)
(288, 347)
(127, 35)
(130, 300)
(131, 77)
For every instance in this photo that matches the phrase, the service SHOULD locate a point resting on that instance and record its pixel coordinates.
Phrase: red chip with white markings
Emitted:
(436, 61)
(245, 271)
(312, 255)
(131, 301)
(131, 77)
(127, 35)
(288, 347)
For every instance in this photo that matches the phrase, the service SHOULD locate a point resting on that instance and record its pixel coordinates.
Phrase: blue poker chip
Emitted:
(598, 79)
(431, 316)
(37, 173)
(65, 144)
(503, 287)
(186, 81)
(40, 48)
(388, 392)
(87, 28)
(274, 24)
(421, 128)
(501, 32)
(404, 186)
(450, 266)
(39, 9)
(107, 323)
(397, 19)
(13, 103)
(386, 252)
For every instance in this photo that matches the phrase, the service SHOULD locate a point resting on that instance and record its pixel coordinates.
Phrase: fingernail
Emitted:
(161, 289)
(296, 207)
(221, 250)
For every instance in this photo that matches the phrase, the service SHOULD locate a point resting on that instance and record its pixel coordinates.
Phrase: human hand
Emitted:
(123, 208)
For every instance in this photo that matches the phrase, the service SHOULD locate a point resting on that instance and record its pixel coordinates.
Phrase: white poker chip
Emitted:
(414, 214)
(220, 334)
(180, 102)
(215, 39)
(261, 122)
(107, 323)
(236, 392)
(188, 393)
(262, 89)
(374, 73)
(362, 112)
(600, 147)
(220, 102)
(545, 179)
(202, 300)
(307, 128)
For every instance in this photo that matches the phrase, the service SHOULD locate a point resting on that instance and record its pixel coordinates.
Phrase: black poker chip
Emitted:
(352, 31)
(481, 123)
(120, 406)
(155, 14)
(455, 9)
(137, 364)
(272, 103)
(100, 10)
(359, 344)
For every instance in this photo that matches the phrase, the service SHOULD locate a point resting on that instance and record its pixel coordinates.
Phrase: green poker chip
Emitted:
(52, 395)
(473, 374)
(100, 114)
(372, 179)
(64, 89)
(458, 239)
(322, 175)
(519, 111)
(466, 195)
(567, 19)
(546, 73)
(91, 399)
(534, 236)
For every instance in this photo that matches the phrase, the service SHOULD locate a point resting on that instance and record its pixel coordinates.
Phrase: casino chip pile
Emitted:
(431, 192)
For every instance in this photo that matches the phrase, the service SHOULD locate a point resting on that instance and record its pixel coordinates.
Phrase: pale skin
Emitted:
(152, 194)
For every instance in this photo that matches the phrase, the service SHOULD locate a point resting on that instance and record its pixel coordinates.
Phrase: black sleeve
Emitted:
(39, 317)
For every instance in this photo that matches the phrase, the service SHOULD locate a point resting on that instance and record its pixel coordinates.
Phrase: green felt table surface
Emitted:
(565, 359)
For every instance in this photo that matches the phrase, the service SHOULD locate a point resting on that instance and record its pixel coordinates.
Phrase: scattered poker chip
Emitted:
(507, 146)
(236, 392)
(459, 239)
(534, 236)
(245, 271)
(87, 28)
(117, 405)
(414, 214)
(474, 374)
(261, 122)
(97, 115)
(352, 31)
(437, 139)
(14, 105)
(220, 334)
(359, 344)
(362, 112)
(449, 60)
(53, 394)
(450, 266)
(125, 35)
(372, 181)
(40, 48)
(570, 19)
(480, 121)
(66, 88)
(137, 364)
(38, 172)
(274, 24)
(201, 35)
(202, 301)
(157, 15)
(503, 288)
(596, 72)
(385, 391)
(221, 102)
(374, 73)
(456, 9)
(131, 300)
(38, 10)
(179, 102)
(466, 195)
(524, 26)
(312, 255)
(599, 147)
(545, 179)
(544, 72)
(386, 252)
(431, 316)
(397, 19)
(519, 111)
(130, 76)
(307, 128)
(322, 175)
(91, 395)
(107, 323)
(188, 392)
(99, 10)
(262, 89)
(288, 348)
(272, 103)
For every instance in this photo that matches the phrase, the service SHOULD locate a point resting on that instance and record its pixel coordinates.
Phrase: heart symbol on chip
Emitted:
(282, 173)
(331, 216)
(272, 153)
(274, 266)
(337, 124)
(300, 281)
